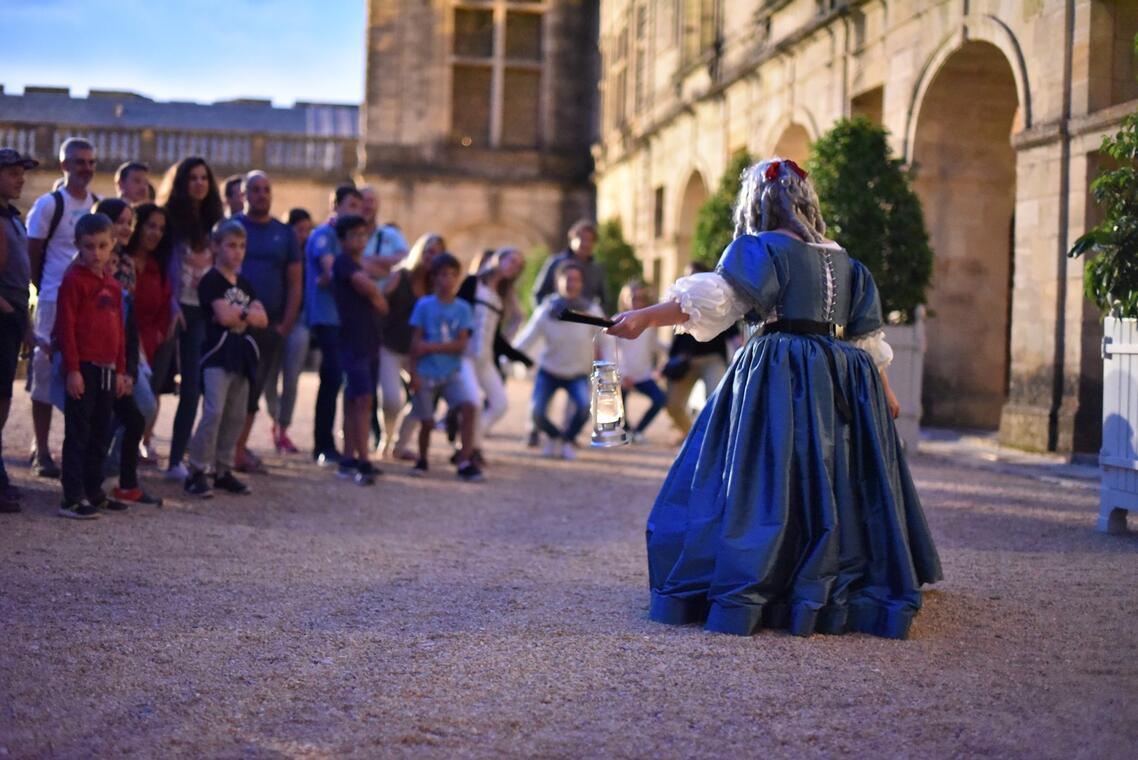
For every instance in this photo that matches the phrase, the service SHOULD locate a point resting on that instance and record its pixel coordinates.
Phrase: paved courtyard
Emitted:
(437, 619)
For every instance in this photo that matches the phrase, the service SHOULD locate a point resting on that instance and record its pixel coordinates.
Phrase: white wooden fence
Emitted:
(1117, 458)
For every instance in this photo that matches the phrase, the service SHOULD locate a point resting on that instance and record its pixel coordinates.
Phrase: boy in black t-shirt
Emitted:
(229, 361)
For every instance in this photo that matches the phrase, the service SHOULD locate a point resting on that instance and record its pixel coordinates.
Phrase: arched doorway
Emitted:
(694, 194)
(966, 178)
(794, 143)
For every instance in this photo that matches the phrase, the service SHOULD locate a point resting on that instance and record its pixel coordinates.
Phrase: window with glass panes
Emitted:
(496, 73)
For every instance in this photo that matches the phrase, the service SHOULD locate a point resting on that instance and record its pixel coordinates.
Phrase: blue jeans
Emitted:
(655, 394)
(544, 386)
(190, 342)
(331, 378)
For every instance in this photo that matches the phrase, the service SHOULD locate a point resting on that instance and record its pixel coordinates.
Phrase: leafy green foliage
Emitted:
(616, 257)
(714, 227)
(1110, 278)
(527, 280)
(870, 208)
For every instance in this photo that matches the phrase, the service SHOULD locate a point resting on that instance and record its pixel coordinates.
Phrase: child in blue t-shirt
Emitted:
(442, 325)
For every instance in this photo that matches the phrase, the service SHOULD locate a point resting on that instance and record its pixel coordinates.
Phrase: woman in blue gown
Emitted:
(790, 504)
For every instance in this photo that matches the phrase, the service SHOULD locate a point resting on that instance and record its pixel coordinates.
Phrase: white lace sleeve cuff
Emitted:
(710, 302)
(874, 344)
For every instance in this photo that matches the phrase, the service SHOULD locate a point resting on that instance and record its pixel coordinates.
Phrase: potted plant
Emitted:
(1110, 280)
(870, 207)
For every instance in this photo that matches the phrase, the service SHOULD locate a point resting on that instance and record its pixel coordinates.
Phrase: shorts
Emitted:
(452, 387)
(40, 371)
(12, 327)
(361, 375)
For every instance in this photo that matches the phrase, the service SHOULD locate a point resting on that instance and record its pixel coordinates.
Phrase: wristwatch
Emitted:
(244, 313)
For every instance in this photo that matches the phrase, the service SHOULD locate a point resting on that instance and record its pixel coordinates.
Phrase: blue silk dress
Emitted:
(778, 512)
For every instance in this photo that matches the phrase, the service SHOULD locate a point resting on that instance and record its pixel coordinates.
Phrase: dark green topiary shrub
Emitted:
(870, 208)
(616, 257)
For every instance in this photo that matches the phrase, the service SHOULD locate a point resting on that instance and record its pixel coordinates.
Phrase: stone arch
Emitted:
(798, 125)
(972, 29)
(692, 195)
(794, 143)
(965, 170)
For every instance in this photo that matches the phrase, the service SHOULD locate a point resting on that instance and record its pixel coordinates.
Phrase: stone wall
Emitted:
(998, 104)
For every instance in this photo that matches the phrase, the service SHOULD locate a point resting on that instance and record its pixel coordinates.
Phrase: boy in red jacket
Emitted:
(89, 334)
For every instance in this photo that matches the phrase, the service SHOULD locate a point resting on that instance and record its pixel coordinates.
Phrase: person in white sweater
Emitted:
(566, 359)
(636, 359)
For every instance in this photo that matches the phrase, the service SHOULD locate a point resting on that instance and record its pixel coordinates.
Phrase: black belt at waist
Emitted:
(812, 329)
(806, 327)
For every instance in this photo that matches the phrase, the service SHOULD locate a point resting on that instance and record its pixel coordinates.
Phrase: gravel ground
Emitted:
(432, 618)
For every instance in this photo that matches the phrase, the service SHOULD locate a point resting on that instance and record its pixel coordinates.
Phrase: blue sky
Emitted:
(203, 50)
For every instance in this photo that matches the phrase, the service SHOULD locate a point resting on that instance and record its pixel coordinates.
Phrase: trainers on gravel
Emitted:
(136, 496)
(470, 473)
(420, 468)
(228, 483)
(347, 469)
(176, 472)
(45, 467)
(78, 510)
(105, 504)
(197, 484)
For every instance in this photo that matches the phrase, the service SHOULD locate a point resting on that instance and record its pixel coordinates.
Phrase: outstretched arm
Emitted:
(631, 324)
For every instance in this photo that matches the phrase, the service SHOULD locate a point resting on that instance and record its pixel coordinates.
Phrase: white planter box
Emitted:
(905, 373)
(1118, 459)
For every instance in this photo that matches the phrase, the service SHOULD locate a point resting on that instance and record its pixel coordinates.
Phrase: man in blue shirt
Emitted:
(273, 267)
(324, 320)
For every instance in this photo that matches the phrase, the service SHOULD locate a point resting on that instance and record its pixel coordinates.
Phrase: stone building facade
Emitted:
(479, 117)
(1000, 107)
(307, 148)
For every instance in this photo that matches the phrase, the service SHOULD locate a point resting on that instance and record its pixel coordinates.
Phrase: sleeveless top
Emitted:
(397, 329)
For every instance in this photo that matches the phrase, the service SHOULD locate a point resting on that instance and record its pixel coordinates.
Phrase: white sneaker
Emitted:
(551, 448)
(568, 451)
(177, 472)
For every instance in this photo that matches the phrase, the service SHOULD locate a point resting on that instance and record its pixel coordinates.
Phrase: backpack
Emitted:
(57, 214)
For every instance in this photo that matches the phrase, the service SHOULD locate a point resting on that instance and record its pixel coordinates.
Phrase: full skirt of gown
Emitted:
(780, 513)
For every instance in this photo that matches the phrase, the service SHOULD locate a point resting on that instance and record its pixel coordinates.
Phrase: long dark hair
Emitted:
(190, 221)
(161, 254)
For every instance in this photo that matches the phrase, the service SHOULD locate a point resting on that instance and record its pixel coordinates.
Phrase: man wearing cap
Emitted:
(15, 276)
(51, 248)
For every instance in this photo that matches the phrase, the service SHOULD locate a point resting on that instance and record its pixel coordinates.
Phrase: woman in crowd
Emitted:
(407, 284)
(495, 303)
(131, 409)
(193, 205)
(149, 248)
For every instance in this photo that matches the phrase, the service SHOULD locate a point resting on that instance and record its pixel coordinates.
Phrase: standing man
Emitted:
(234, 195)
(323, 319)
(15, 276)
(582, 239)
(273, 267)
(386, 244)
(51, 247)
(133, 182)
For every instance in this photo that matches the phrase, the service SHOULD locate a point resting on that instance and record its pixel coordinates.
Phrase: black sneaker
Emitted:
(347, 469)
(470, 473)
(420, 468)
(226, 482)
(197, 484)
(533, 440)
(105, 504)
(45, 467)
(78, 510)
(364, 478)
(328, 458)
